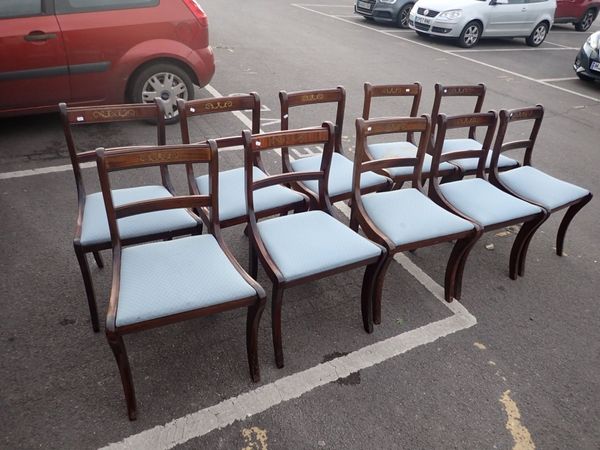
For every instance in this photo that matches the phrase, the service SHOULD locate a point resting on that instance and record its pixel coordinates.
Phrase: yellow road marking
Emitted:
(255, 438)
(520, 434)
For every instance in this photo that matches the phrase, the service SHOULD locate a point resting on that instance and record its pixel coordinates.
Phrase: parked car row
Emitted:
(467, 21)
(88, 52)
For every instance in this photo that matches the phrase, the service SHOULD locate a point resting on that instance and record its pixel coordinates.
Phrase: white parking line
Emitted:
(250, 403)
(455, 54)
(552, 80)
(481, 50)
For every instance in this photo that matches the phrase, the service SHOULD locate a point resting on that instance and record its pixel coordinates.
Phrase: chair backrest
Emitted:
(413, 90)
(390, 125)
(534, 114)
(476, 91)
(476, 120)
(289, 100)
(128, 158)
(232, 104)
(75, 117)
(256, 143)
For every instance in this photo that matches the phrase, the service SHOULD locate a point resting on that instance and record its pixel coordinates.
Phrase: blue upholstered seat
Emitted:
(340, 174)
(94, 229)
(486, 204)
(454, 145)
(403, 149)
(541, 188)
(407, 215)
(232, 193)
(312, 242)
(159, 279)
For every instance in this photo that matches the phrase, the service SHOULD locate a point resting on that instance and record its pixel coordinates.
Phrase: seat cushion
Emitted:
(311, 242)
(159, 279)
(407, 215)
(340, 174)
(539, 187)
(232, 193)
(488, 205)
(403, 149)
(94, 229)
(468, 164)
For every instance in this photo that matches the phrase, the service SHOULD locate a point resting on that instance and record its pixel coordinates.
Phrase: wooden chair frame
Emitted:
(536, 115)
(472, 121)
(308, 136)
(117, 159)
(464, 240)
(78, 116)
(202, 107)
(289, 100)
(413, 90)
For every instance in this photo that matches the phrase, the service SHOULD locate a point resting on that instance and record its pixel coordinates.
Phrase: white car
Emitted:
(470, 20)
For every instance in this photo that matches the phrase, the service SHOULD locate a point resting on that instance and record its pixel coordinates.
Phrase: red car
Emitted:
(86, 52)
(580, 13)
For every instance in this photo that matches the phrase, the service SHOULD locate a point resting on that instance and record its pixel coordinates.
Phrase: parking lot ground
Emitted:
(515, 364)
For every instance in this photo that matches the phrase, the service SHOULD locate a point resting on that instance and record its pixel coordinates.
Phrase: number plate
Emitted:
(364, 5)
(595, 66)
(423, 20)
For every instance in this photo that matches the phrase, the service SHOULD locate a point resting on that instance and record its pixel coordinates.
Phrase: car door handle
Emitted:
(523, 9)
(37, 36)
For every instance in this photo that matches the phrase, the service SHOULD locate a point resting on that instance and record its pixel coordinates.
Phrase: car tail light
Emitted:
(197, 11)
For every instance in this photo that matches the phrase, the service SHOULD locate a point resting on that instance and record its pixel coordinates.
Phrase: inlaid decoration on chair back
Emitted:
(256, 143)
(129, 158)
(412, 90)
(476, 91)
(471, 121)
(391, 125)
(295, 99)
(75, 117)
(535, 114)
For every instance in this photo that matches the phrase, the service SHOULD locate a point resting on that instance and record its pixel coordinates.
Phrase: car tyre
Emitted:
(586, 21)
(402, 20)
(165, 80)
(538, 35)
(470, 35)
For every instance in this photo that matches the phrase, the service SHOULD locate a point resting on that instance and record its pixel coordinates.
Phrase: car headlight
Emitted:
(391, 2)
(593, 41)
(451, 14)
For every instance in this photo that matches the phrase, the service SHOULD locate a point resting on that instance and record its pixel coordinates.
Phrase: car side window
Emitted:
(20, 8)
(71, 6)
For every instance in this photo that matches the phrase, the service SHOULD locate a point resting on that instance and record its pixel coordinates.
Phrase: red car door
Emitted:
(33, 65)
(568, 8)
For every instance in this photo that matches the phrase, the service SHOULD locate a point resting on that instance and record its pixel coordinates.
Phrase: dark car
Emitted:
(580, 13)
(587, 62)
(390, 11)
(87, 52)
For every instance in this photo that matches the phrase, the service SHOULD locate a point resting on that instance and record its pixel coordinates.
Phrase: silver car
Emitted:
(470, 20)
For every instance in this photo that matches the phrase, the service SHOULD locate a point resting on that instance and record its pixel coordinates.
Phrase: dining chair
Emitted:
(407, 219)
(340, 175)
(476, 199)
(92, 233)
(309, 245)
(163, 282)
(275, 200)
(531, 184)
(402, 148)
(467, 166)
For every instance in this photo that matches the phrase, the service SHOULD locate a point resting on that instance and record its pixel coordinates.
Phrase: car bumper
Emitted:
(378, 12)
(584, 61)
(434, 27)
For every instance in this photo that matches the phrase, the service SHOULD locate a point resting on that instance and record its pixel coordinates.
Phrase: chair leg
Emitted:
(252, 260)
(98, 259)
(366, 299)
(253, 319)
(276, 324)
(118, 348)
(353, 221)
(564, 224)
(380, 277)
(461, 266)
(89, 287)
(526, 231)
(454, 264)
(525, 247)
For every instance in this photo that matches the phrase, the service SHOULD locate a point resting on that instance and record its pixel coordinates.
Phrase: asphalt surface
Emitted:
(525, 374)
